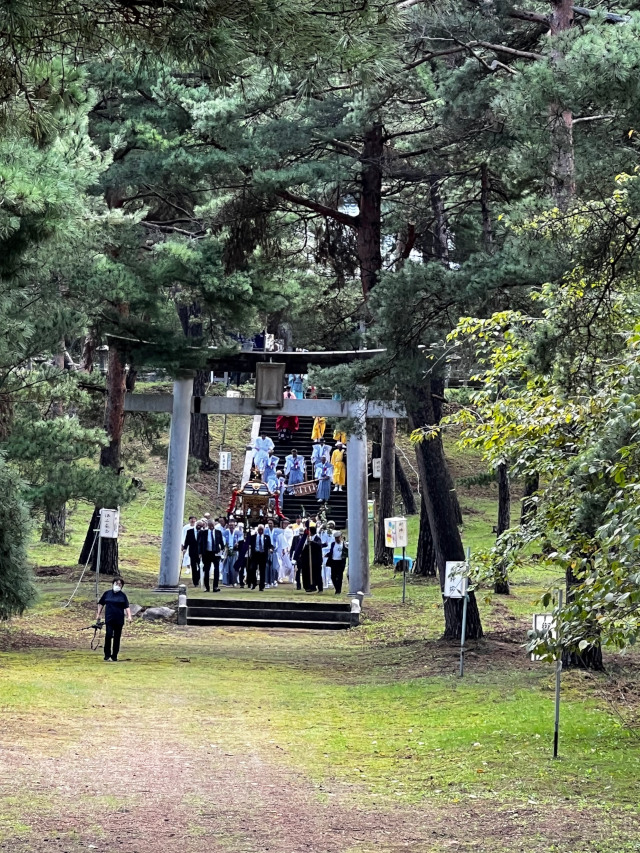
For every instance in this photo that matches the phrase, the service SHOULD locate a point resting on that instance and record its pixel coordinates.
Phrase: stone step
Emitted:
(305, 604)
(268, 614)
(252, 622)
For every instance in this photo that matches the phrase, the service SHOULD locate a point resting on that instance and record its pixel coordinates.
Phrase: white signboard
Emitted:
(225, 461)
(370, 506)
(109, 523)
(232, 393)
(543, 623)
(375, 467)
(455, 579)
(395, 532)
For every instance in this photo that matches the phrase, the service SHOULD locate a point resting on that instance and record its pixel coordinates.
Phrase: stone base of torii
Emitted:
(182, 403)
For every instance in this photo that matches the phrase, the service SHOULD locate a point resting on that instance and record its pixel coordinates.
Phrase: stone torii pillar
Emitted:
(357, 515)
(176, 483)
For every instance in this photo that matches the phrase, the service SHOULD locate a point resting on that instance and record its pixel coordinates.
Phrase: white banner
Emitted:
(109, 523)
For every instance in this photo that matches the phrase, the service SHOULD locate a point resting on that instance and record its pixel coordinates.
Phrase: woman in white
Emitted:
(287, 569)
(326, 537)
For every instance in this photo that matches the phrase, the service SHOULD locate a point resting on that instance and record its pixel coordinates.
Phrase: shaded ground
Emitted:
(122, 789)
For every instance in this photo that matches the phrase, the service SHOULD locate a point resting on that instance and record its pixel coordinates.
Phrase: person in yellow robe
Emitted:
(339, 467)
(340, 436)
(319, 426)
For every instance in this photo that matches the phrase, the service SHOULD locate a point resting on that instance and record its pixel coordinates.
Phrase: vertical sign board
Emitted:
(370, 506)
(109, 523)
(225, 460)
(395, 532)
(455, 579)
(544, 623)
(376, 468)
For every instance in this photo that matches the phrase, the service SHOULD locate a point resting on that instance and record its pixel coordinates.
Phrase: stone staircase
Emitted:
(260, 613)
(292, 505)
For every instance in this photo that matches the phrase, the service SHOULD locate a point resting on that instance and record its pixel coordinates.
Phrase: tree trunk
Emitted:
(199, 434)
(383, 555)
(434, 480)
(426, 554)
(404, 487)
(590, 658)
(440, 231)
(563, 182)
(368, 231)
(199, 447)
(501, 586)
(485, 192)
(529, 508)
(54, 528)
(114, 415)
(504, 499)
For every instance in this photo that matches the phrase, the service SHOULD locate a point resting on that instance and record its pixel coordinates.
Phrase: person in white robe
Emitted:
(263, 447)
(326, 537)
(320, 449)
(287, 569)
(294, 468)
(270, 473)
(323, 474)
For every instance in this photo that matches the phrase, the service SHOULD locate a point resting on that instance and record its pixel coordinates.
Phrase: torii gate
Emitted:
(181, 403)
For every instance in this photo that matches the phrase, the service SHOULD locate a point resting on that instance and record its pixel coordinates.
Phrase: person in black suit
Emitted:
(260, 549)
(337, 560)
(190, 545)
(211, 546)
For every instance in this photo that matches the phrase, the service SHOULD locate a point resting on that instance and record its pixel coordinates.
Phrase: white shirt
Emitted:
(337, 551)
(185, 529)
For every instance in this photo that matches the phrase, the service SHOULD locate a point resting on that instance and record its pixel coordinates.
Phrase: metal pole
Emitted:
(224, 438)
(463, 635)
(556, 726)
(98, 566)
(404, 575)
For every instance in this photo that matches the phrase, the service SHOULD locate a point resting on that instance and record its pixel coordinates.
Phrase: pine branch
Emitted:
(510, 51)
(533, 17)
(317, 207)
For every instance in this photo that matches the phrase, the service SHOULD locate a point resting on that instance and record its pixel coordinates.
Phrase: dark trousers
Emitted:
(261, 564)
(207, 559)
(113, 634)
(337, 575)
(194, 559)
(257, 563)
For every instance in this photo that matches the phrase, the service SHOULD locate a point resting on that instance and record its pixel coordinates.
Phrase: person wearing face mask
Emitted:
(116, 605)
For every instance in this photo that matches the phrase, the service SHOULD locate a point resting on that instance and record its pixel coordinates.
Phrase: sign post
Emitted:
(456, 585)
(396, 536)
(544, 623)
(556, 724)
(108, 529)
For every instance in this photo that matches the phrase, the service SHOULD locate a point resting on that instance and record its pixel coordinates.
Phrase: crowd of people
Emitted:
(308, 553)
(328, 466)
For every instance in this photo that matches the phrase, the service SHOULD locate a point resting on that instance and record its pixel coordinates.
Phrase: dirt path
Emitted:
(129, 792)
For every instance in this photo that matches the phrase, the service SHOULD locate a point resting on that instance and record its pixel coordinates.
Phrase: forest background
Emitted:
(173, 174)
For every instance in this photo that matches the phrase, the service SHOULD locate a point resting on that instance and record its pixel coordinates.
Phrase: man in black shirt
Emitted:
(115, 604)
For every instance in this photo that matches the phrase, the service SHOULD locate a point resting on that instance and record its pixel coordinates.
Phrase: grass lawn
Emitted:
(366, 740)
